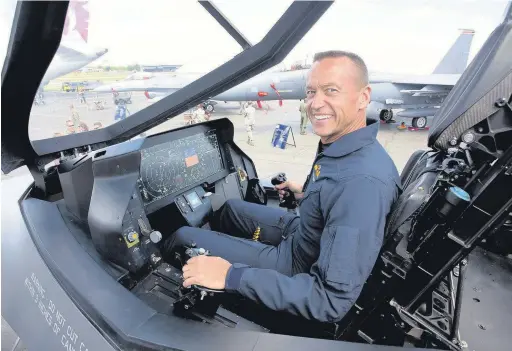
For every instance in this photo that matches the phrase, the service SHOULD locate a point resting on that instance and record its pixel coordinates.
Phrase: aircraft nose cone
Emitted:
(103, 88)
(102, 52)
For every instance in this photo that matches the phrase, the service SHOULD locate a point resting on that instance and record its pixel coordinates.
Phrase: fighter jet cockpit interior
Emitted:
(126, 199)
(110, 208)
(140, 192)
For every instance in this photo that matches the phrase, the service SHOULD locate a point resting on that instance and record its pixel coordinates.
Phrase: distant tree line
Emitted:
(298, 66)
(107, 68)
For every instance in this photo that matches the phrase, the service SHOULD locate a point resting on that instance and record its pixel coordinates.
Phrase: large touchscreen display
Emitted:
(170, 167)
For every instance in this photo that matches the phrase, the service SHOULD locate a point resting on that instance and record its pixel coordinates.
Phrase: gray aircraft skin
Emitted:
(74, 52)
(58, 291)
(69, 60)
(418, 95)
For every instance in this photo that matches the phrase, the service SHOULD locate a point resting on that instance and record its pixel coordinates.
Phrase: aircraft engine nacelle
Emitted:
(379, 111)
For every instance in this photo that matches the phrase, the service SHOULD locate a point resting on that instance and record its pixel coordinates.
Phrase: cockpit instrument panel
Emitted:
(173, 166)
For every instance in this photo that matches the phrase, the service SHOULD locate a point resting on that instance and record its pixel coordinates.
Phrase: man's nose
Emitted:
(317, 102)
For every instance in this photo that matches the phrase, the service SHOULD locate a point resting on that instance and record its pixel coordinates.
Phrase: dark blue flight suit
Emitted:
(314, 265)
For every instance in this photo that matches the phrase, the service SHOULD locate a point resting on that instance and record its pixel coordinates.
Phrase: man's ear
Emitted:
(364, 97)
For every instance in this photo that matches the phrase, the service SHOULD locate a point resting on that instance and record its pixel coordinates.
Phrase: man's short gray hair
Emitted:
(356, 59)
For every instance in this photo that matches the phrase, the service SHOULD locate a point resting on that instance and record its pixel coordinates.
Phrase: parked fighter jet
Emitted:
(419, 95)
(74, 52)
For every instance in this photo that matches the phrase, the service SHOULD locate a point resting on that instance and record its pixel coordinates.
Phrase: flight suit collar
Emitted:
(353, 141)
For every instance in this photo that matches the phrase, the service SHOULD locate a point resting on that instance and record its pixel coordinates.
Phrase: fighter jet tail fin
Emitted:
(456, 59)
(75, 35)
(76, 25)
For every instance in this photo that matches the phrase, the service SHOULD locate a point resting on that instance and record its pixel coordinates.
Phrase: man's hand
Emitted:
(294, 187)
(206, 271)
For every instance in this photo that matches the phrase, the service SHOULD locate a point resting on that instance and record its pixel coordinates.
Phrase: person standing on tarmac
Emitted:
(198, 115)
(121, 111)
(303, 117)
(81, 93)
(316, 264)
(75, 120)
(249, 121)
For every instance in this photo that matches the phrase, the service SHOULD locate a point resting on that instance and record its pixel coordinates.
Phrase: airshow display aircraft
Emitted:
(418, 95)
(74, 52)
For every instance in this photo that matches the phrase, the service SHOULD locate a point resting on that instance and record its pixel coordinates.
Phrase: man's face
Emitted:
(335, 98)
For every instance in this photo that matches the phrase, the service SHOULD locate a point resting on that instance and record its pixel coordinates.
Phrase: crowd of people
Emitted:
(198, 115)
(248, 111)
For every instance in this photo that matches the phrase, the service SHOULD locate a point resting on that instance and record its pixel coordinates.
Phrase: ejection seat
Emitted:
(417, 178)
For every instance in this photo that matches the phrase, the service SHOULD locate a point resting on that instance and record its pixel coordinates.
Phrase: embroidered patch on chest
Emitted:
(316, 169)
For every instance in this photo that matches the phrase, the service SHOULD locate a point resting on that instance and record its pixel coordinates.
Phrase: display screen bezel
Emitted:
(193, 199)
(179, 134)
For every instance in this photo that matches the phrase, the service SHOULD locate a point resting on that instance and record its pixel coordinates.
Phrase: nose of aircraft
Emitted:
(120, 86)
(101, 52)
(103, 88)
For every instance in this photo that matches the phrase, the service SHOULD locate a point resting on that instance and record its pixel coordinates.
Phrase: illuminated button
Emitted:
(133, 236)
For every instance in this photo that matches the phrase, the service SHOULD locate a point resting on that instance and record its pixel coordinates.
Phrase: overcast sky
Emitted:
(402, 36)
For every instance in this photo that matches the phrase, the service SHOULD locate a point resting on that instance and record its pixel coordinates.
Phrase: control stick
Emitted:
(194, 251)
(289, 201)
(198, 299)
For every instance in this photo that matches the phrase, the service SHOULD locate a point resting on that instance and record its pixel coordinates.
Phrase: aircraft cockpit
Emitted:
(89, 228)
(134, 195)
(130, 197)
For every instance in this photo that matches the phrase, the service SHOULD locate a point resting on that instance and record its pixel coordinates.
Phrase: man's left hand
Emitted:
(206, 271)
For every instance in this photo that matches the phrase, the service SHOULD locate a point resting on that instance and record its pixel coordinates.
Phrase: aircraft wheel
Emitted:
(419, 122)
(386, 115)
(209, 108)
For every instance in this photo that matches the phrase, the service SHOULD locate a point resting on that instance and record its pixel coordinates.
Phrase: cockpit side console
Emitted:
(181, 176)
(116, 216)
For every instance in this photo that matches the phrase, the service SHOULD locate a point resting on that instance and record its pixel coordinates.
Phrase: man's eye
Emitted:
(332, 90)
(309, 92)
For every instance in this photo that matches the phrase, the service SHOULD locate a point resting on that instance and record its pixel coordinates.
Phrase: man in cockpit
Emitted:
(313, 265)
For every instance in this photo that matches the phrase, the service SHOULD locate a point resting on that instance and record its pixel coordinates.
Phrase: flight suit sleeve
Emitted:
(355, 215)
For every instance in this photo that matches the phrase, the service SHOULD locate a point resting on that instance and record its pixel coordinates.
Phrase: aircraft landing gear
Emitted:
(419, 122)
(208, 106)
(386, 115)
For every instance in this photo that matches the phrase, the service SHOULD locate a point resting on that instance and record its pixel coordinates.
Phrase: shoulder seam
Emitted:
(349, 178)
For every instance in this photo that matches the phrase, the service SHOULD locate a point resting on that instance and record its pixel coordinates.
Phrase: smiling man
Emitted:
(314, 265)
(337, 94)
